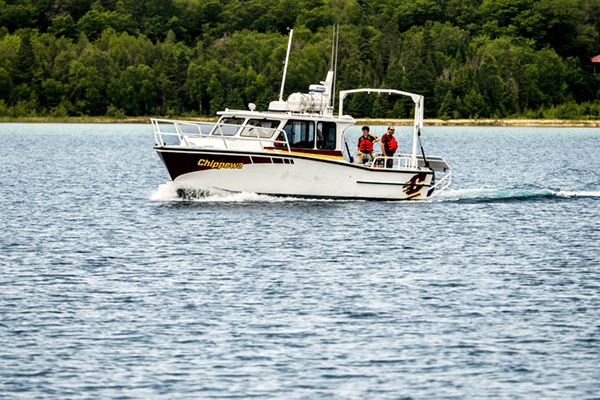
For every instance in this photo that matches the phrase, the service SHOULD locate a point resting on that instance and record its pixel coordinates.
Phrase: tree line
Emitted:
(469, 58)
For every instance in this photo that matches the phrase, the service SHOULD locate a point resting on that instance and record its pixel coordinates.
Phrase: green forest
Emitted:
(469, 58)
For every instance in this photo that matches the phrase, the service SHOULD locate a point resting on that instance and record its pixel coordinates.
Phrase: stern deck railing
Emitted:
(442, 183)
(403, 161)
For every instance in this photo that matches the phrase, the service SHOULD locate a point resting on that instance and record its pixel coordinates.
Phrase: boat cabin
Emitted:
(295, 132)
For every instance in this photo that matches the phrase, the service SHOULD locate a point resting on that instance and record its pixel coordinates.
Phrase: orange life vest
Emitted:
(365, 144)
(390, 144)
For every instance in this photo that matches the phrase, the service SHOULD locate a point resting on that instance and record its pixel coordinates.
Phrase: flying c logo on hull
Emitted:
(415, 185)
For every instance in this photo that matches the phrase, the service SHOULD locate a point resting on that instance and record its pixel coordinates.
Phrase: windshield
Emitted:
(228, 126)
(263, 128)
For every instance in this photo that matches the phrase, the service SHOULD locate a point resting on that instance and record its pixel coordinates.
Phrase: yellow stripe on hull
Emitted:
(339, 158)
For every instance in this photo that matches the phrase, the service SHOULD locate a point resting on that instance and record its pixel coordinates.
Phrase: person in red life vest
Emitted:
(389, 145)
(364, 148)
(280, 141)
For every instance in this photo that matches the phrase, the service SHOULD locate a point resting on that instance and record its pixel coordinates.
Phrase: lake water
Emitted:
(110, 288)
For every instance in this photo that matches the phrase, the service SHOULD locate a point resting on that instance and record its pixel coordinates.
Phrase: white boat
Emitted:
(295, 148)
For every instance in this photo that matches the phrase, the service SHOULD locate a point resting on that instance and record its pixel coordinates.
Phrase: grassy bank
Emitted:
(360, 121)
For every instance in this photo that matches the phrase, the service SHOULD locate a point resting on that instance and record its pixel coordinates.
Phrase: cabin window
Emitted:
(301, 134)
(326, 135)
(228, 126)
(263, 128)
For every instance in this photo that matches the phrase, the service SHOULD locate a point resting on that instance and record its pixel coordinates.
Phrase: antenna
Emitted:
(337, 41)
(287, 57)
(332, 46)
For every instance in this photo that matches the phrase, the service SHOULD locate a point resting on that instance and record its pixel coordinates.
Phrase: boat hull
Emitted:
(291, 174)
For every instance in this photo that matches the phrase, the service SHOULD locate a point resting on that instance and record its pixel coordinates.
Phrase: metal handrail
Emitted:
(381, 161)
(213, 135)
(158, 133)
(447, 177)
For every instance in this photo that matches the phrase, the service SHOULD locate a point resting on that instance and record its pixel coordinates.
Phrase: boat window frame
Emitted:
(264, 132)
(219, 131)
(328, 142)
(308, 132)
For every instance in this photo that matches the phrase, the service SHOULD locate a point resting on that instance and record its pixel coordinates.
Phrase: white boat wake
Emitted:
(172, 191)
(578, 194)
(175, 192)
(484, 193)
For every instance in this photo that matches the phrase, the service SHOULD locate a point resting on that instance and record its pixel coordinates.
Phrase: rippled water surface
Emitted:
(110, 288)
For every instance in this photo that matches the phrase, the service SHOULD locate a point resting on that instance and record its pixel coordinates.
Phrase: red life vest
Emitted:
(365, 144)
(390, 143)
(280, 141)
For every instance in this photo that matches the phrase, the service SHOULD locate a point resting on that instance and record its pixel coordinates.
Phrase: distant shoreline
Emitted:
(359, 121)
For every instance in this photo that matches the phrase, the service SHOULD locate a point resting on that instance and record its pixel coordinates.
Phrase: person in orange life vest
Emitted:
(389, 145)
(364, 148)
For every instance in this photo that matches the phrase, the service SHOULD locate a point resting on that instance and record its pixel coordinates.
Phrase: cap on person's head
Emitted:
(365, 128)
